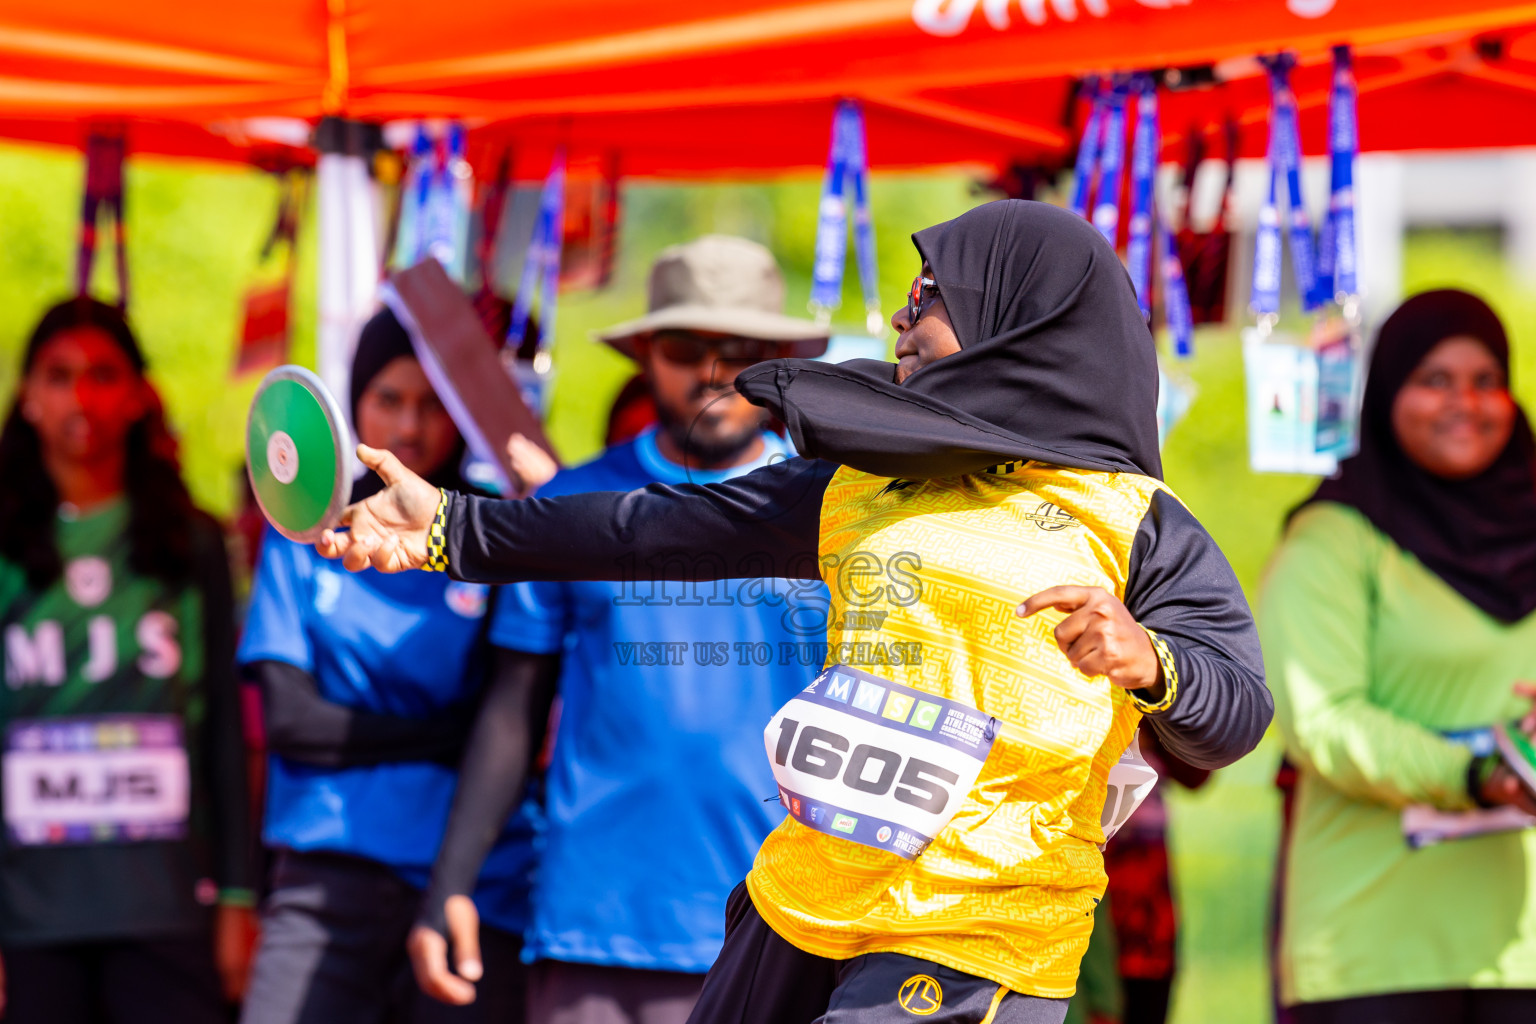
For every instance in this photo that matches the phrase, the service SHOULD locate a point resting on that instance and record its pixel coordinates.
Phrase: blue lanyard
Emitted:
(1338, 256)
(421, 165)
(1106, 211)
(1265, 296)
(1088, 151)
(437, 214)
(863, 223)
(847, 166)
(831, 224)
(1284, 160)
(1181, 322)
(542, 263)
(1138, 252)
(1285, 157)
(1100, 152)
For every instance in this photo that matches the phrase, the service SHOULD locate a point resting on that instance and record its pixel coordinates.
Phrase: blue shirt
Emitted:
(659, 792)
(407, 645)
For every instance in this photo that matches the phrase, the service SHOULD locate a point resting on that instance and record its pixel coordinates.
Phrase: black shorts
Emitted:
(762, 979)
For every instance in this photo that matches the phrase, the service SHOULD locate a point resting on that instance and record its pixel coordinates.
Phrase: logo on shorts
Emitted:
(920, 995)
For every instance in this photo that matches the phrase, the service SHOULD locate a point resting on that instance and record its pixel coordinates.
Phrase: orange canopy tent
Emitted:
(689, 87)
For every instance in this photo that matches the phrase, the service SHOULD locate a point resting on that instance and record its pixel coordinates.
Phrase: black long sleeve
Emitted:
(223, 732)
(1182, 588)
(507, 737)
(303, 726)
(768, 520)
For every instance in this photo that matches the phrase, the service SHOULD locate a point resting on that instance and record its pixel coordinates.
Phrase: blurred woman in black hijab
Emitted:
(1396, 620)
(1010, 454)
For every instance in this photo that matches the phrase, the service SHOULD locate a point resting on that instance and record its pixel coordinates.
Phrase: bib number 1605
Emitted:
(866, 769)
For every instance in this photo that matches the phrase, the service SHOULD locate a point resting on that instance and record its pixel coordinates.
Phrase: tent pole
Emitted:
(348, 215)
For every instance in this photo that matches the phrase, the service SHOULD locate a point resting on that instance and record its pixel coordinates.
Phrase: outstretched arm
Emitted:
(764, 523)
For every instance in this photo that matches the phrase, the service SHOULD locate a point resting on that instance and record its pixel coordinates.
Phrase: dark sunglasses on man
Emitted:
(690, 348)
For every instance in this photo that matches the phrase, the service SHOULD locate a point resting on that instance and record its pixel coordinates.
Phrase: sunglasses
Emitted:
(685, 348)
(924, 291)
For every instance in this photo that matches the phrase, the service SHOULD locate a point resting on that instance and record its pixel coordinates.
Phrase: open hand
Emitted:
(388, 530)
(429, 954)
(1100, 637)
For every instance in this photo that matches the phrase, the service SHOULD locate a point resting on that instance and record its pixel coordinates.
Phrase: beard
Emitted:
(705, 439)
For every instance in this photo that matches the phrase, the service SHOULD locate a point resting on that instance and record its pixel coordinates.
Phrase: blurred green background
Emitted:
(195, 232)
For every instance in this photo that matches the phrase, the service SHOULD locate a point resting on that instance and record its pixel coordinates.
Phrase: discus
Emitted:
(296, 453)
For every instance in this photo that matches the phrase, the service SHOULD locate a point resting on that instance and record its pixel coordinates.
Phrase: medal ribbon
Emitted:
(847, 170)
(832, 223)
(1338, 251)
(1181, 322)
(1285, 155)
(1138, 251)
(1265, 295)
(437, 216)
(542, 262)
(863, 222)
(104, 151)
(1088, 150)
(1106, 211)
(493, 203)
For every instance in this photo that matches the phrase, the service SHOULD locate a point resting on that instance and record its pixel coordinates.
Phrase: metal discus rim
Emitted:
(341, 437)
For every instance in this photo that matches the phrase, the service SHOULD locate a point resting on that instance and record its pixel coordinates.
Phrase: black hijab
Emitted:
(1056, 363)
(1478, 535)
(382, 341)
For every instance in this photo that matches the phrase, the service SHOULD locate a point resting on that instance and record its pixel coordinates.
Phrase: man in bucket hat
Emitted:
(664, 688)
(716, 307)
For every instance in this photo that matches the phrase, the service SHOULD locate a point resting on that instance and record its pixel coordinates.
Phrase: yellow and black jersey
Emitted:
(925, 577)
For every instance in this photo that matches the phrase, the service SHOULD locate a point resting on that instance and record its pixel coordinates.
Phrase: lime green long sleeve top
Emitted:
(1371, 657)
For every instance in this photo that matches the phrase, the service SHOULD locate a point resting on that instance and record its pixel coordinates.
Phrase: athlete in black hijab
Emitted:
(1055, 364)
(1477, 534)
(1009, 452)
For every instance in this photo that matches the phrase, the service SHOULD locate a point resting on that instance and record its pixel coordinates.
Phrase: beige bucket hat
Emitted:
(724, 285)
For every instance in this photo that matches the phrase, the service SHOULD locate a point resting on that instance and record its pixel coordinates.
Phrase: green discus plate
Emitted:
(296, 448)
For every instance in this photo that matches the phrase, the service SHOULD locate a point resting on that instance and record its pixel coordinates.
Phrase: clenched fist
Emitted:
(1100, 637)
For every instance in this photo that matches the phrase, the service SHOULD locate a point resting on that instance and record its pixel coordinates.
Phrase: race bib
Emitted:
(1130, 780)
(105, 779)
(875, 762)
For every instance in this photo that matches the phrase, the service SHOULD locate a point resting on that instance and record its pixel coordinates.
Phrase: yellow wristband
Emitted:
(1170, 678)
(437, 536)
